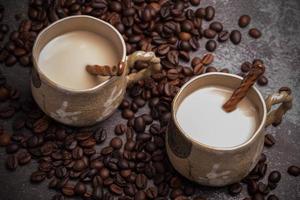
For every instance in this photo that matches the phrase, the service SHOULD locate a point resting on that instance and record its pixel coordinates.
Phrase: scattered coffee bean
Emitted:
(235, 37)
(209, 33)
(246, 66)
(209, 13)
(223, 36)
(262, 81)
(11, 162)
(294, 170)
(116, 143)
(255, 33)
(269, 140)
(211, 45)
(5, 139)
(274, 176)
(244, 21)
(235, 189)
(216, 26)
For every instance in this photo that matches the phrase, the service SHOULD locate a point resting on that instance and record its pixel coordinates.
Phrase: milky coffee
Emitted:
(63, 59)
(202, 118)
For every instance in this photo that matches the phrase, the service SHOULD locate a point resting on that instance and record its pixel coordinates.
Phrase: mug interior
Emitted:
(224, 80)
(75, 23)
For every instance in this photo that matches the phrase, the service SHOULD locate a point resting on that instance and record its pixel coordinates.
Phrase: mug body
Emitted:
(207, 165)
(78, 107)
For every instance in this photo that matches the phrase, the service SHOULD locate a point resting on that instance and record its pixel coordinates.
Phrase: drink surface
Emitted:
(202, 118)
(63, 59)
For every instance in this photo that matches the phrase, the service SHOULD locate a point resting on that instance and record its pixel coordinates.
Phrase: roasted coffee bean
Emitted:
(244, 21)
(209, 33)
(199, 69)
(209, 13)
(216, 26)
(294, 170)
(173, 57)
(41, 125)
(269, 140)
(24, 158)
(127, 114)
(130, 190)
(195, 61)
(246, 66)
(141, 181)
(207, 59)
(163, 49)
(5, 139)
(115, 189)
(262, 188)
(252, 187)
(258, 196)
(211, 45)
(61, 172)
(68, 190)
(139, 124)
(235, 189)
(10, 60)
(11, 162)
(97, 193)
(210, 69)
(116, 143)
(152, 192)
(262, 81)
(81, 136)
(235, 37)
(140, 195)
(79, 165)
(37, 176)
(223, 36)
(104, 173)
(80, 188)
(274, 177)
(225, 70)
(172, 74)
(100, 135)
(200, 12)
(12, 148)
(120, 129)
(255, 33)
(195, 2)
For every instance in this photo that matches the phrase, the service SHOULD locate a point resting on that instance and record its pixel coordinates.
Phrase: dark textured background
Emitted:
(279, 21)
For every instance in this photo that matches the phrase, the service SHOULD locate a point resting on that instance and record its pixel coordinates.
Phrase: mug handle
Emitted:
(283, 97)
(149, 57)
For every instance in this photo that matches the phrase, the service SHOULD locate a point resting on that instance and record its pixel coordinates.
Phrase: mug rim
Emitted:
(70, 90)
(254, 135)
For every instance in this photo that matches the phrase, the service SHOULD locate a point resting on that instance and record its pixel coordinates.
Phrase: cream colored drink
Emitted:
(201, 117)
(63, 59)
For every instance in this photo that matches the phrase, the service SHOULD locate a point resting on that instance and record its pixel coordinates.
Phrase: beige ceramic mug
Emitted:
(85, 107)
(213, 166)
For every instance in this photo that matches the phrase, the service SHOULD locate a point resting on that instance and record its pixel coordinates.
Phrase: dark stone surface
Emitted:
(279, 21)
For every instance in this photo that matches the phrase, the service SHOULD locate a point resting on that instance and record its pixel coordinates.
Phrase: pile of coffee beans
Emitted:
(133, 164)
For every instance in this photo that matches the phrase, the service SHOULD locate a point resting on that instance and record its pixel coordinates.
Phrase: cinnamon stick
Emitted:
(256, 71)
(105, 70)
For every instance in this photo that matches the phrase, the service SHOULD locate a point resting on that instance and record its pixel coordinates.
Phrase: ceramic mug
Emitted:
(214, 166)
(89, 106)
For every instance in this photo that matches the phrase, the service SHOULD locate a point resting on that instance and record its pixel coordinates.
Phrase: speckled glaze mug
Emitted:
(213, 166)
(86, 107)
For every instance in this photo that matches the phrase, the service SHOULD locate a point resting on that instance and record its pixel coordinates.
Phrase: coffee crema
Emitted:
(202, 118)
(63, 60)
